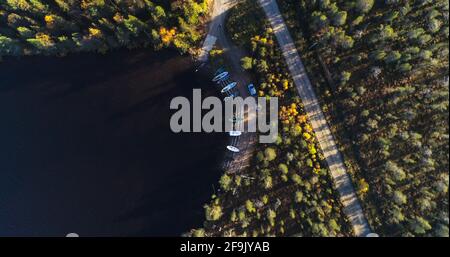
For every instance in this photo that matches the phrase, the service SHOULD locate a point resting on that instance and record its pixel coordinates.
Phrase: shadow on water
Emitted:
(86, 146)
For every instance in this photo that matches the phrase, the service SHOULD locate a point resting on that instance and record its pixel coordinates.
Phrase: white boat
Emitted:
(228, 87)
(220, 77)
(233, 149)
(235, 133)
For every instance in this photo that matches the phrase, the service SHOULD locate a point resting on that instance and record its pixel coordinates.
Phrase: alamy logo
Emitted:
(233, 115)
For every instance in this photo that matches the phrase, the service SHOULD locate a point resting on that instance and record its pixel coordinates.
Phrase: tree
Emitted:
(64, 5)
(324, 4)
(97, 25)
(233, 216)
(415, 34)
(393, 169)
(198, 232)
(25, 32)
(249, 206)
(363, 186)
(391, 16)
(434, 25)
(345, 77)
(94, 32)
(158, 15)
(343, 41)
(283, 168)
(19, 5)
(404, 67)
(395, 215)
(190, 10)
(270, 154)
(182, 42)
(399, 198)
(213, 212)
(334, 226)
(8, 46)
(419, 225)
(292, 213)
(265, 199)
(268, 182)
(271, 215)
(424, 39)
(378, 55)
(42, 41)
(260, 156)
(347, 42)
(319, 229)
(441, 230)
(225, 182)
(262, 66)
(298, 197)
(320, 20)
(364, 6)
(358, 20)
(134, 25)
(393, 57)
(387, 32)
(247, 63)
(241, 215)
(340, 18)
(296, 178)
(426, 54)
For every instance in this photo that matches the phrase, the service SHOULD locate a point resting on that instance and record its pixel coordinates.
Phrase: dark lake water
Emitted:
(85, 146)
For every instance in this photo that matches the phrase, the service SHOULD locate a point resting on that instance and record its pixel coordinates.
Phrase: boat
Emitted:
(233, 149)
(228, 87)
(220, 77)
(235, 133)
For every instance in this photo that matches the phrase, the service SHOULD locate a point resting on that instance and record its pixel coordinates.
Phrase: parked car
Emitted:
(251, 89)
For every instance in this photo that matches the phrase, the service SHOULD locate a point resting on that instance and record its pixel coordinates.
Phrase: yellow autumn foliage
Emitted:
(49, 19)
(363, 186)
(312, 149)
(297, 129)
(285, 84)
(288, 112)
(306, 136)
(118, 17)
(316, 170)
(308, 128)
(93, 32)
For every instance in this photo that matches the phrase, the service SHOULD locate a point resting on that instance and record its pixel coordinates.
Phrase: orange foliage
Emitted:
(167, 35)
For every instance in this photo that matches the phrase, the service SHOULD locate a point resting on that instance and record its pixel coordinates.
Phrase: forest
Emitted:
(287, 191)
(381, 70)
(58, 27)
